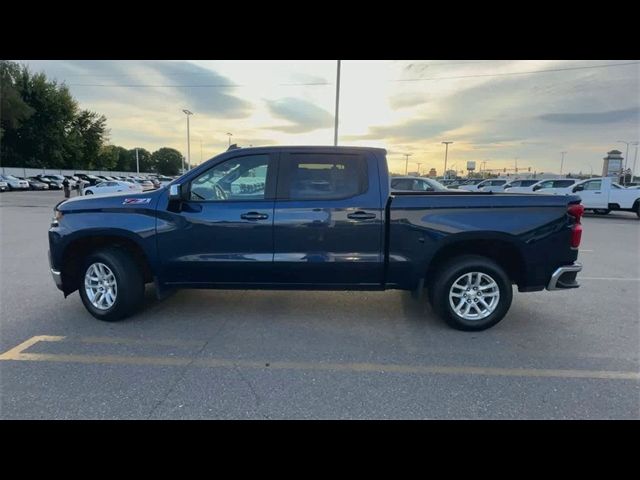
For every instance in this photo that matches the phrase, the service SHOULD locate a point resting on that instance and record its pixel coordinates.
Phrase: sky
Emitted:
(493, 111)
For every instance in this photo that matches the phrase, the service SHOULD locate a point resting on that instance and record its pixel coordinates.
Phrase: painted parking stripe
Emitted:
(17, 354)
(622, 279)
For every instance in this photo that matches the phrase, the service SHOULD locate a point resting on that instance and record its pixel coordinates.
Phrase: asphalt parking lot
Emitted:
(272, 355)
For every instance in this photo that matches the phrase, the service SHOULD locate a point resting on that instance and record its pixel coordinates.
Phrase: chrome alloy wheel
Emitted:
(474, 296)
(100, 286)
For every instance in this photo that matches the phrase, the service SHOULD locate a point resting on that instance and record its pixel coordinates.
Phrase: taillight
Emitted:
(576, 211)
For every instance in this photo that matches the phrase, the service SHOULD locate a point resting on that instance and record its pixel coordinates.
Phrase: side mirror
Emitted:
(175, 192)
(578, 188)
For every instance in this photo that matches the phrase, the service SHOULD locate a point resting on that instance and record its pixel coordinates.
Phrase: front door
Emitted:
(593, 196)
(223, 232)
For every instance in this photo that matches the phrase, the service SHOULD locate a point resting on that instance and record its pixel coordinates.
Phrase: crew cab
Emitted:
(603, 195)
(312, 218)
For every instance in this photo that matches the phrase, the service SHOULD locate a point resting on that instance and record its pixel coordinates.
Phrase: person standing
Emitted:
(65, 187)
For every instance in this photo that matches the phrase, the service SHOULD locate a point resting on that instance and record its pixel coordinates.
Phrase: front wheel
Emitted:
(111, 284)
(471, 292)
(88, 192)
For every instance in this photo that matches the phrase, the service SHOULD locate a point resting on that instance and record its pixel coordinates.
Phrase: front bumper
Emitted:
(565, 277)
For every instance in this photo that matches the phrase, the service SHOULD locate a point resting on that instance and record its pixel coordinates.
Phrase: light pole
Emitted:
(516, 160)
(562, 162)
(335, 130)
(418, 163)
(137, 163)
(230, 135)
(406, 165)
(484, 168)
(446, 153)
(188, 114)
(635, 158)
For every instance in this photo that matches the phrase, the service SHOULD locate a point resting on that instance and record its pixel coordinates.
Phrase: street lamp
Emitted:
(562, 162)
(406, 165)
(446, 152)
(230, 135)
(418, 163)
(188, 114)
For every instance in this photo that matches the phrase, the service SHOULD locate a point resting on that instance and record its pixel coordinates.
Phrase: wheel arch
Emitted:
(76, 250)
(501, 248)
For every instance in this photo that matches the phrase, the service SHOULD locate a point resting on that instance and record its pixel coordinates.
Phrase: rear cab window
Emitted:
(318, 176)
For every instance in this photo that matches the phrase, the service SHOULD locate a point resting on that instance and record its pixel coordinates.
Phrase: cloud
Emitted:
(610, 116)
(303, 116)
(413, 130)
(407, 100)
(151, 82)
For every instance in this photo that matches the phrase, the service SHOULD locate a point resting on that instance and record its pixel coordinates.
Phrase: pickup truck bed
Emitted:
(314, 218)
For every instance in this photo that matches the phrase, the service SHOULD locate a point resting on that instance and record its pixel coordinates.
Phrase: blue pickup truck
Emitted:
(313, 218)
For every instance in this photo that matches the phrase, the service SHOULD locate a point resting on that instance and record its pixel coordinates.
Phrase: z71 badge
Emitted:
(135, 201)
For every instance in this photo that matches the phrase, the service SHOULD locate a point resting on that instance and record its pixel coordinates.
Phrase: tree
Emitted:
(168, 161)
(41, 124)
(144, 157)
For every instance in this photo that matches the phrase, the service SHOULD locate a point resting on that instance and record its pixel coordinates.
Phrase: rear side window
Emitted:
(562, 183)
(323, 176)
(528, 183)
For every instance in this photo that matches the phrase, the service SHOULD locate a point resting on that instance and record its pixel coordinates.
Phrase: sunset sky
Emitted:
(493, 111)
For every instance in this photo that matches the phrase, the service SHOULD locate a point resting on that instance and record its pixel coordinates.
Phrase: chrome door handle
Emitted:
(254, 216)
(361, 216)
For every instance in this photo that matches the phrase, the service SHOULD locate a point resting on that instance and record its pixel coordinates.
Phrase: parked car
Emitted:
(3, 186)
(36, 184)
(514, 184)
(603, 195)
(164, 180)
(90, 179)
(492, 185)
(145, 184)
(416, 184)
(54, 183)
(15, 183)
(549, 186)
(322, 219)
(109, 188)
(470, 185)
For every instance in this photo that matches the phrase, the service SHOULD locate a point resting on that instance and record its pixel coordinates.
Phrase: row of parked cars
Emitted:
(90, 184)
(600, 195)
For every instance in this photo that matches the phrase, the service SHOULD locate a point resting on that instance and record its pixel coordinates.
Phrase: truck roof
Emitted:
(311, 148)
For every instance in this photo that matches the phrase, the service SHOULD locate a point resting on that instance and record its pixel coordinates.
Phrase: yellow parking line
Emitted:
(16, 354)
(16, 351)
(138, 341)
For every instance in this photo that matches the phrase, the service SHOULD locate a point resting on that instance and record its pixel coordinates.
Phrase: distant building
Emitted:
(612, 164)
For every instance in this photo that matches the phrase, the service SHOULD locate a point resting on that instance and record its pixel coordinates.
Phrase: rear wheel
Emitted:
(471, 292)
(88, 192)
(111, 284)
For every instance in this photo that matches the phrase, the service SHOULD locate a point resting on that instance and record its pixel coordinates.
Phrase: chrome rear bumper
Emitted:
(565, 277)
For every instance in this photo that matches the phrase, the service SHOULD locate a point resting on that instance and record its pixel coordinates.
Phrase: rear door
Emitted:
(328, 219)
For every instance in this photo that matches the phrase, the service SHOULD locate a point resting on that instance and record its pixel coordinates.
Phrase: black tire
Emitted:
(129, 281)
(88, 192)
(602, 211)
(638, 209)
(450, 272)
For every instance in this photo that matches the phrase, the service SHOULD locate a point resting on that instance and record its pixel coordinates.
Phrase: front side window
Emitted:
(593, 185)
(240, 178)
(324, 176)
(548, 184)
